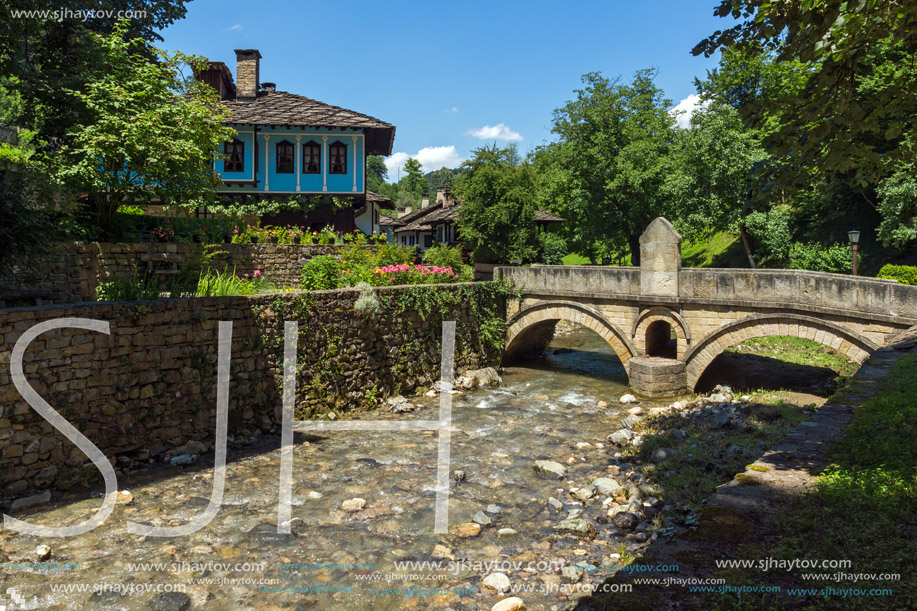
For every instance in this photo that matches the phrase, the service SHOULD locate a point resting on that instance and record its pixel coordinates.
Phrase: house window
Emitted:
(337, 154)
(285, 157)
(235, 156)
(311, 158)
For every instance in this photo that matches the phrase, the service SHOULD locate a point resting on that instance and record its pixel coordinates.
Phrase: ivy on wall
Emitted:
(401, 343)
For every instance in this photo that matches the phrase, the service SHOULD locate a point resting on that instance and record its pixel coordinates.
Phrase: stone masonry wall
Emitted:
(150, 385)
(71, 274)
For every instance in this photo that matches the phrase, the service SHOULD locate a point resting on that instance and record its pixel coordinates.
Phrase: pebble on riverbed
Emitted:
(509, 604)
(353, 505)
(550, 468)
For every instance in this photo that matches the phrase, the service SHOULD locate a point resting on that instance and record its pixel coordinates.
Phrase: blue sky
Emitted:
(453, 76)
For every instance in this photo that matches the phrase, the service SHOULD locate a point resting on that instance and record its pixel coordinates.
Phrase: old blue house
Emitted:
(290, 145)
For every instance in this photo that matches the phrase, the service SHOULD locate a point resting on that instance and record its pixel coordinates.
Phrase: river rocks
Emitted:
(571, 573)
(585, 493)
(40, 553)
(631, 421)
(550, 468)
(479, 378)
(606, 486)
(509, 604)
(400, 405)
(482, 518)
(507, 534)
(498, 582)
(494, 509)
(466, 530)
(457, 476)
(575, 526)
(441, 552)
(184, 459)
(353, 505)
(31, 501)
(621, 437)
(171, 601)
(625, 520)
(634, 493)
(626, 399)
(664, 454)
(555, 504)
(124, 497)
(192, 447)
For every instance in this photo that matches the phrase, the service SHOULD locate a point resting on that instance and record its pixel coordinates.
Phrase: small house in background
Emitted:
(287, 145)
(437, 222)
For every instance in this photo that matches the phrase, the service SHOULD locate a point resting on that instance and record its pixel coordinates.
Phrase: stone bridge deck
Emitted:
(667, 324)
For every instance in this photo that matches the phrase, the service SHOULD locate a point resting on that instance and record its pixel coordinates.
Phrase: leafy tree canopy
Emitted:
(606, 174)
(497, 217)
(152, 132)
(861, 81)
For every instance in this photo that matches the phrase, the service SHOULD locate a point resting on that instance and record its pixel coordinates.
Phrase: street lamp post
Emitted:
(854, 240)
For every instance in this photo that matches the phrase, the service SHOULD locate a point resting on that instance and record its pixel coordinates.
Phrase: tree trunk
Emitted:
(633, 242)
(746, 245)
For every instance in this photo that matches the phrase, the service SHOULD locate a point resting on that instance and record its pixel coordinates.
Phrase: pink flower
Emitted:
(257, 273)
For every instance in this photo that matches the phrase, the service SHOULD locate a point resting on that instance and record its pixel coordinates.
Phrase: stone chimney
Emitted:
(248, 74)
(424, 201)
(404, 212)
(444, 197)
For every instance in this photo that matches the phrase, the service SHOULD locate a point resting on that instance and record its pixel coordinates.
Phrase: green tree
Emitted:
(47, 56)
(497, 217)
(714, 182)
(27, 226)
(152, 133)
(443, 177)
(376, 173)
(414, 180)
(606, 174)
(898, 207)
(861, 84)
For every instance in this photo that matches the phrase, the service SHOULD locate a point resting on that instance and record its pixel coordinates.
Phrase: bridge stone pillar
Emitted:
(660, 259)
(660, 266)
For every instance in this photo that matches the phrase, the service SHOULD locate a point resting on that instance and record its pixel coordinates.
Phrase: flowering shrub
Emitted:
(412, 274)
(385, 265)
(284, 235)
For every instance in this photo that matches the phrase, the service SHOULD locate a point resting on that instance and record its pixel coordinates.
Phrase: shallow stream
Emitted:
(542, 412)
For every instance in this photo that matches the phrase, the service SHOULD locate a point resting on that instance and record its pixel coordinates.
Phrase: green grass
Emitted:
(575, 259)
(865, 505)
(863, 509)
(721, 250)
(798, 351)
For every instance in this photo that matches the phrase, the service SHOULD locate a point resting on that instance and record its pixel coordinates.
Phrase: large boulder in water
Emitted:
(479, 378)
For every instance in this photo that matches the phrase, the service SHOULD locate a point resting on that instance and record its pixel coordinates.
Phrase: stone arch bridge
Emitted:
(667, 324)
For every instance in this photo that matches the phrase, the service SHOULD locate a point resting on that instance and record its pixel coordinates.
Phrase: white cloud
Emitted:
(234, 28)
(454, 109)
(686, 108)
(430, 158)
(500, 131)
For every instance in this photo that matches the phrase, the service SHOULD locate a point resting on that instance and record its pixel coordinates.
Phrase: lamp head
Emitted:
(854, 236)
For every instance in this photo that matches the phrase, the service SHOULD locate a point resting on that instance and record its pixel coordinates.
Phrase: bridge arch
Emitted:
(845, 341)
(654, 316)
(532, 327)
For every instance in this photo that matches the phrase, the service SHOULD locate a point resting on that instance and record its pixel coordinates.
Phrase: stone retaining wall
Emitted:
(149, 386)
(71, 274)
